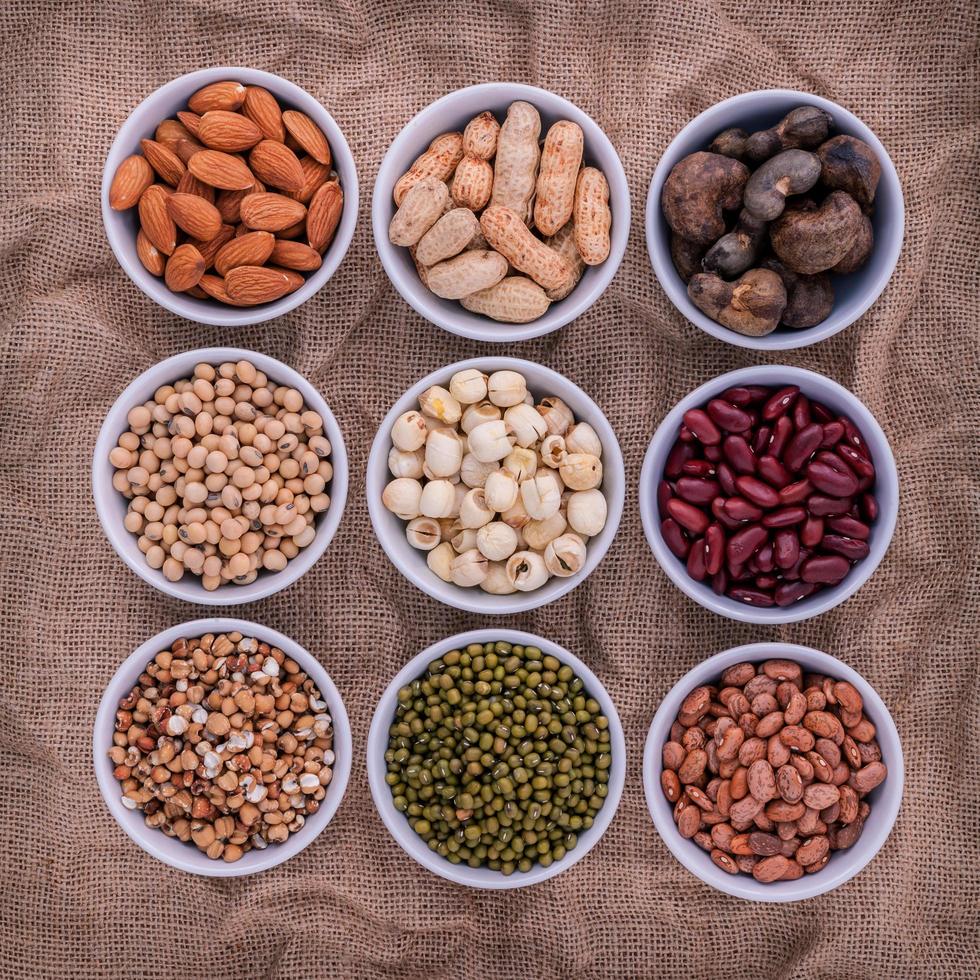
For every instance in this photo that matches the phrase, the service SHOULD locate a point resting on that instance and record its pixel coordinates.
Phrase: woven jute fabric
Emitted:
(79, 899)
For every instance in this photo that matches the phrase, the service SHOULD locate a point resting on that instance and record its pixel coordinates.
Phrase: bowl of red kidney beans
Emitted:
(769, 494)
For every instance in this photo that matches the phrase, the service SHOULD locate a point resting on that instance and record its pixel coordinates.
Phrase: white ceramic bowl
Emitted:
(170, 850)
(397, 823)
(121, 226)
(853, 294)
(837, 399)
(844, 865)
(111, 505)
(411, 562)
(451, 113)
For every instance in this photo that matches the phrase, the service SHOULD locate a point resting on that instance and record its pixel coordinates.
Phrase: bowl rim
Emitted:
(397, 824)
(475, 600)
(886, 473)
(126, 142)
(670, 281)
(741, 885)
(123, 543)
(149, 839)
(488, 330)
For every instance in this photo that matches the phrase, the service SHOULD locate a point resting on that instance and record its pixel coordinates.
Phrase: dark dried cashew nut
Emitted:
(789, 172)
(730, 143)
(686, 256)
(752, 305)
(860, 250)
(849, 164)
(698, 190)
(815, 241)
(737, 251)
(809, 299)
(804, 127)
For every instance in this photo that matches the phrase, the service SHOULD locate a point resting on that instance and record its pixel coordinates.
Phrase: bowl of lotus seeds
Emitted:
(496, 759)
(495, 485)
(220, 476)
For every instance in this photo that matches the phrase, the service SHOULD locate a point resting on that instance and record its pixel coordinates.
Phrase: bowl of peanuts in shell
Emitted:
(501, 212)
(822, 853)
(180, 227)
(201, 827)
(170, 484)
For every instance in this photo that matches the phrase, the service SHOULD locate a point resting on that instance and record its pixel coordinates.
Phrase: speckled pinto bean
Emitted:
(767, 496)
(768, 792)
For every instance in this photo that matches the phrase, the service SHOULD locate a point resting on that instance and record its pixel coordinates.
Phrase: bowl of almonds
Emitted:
(222, 747)
(773, 772)
(501, 212)
(229, 196)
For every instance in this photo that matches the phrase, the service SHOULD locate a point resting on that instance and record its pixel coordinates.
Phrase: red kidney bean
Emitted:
(860, 464)
(718, 509)
(781, 433)
(802, 446)
(801, 412)
(766, 582)
(740, 573)
(758, 492)
(743, 543)
(796, 492)
(785, 548)
(763, 558)
(700, 424)
(852, 548)
(736, 450)
(727, 479)
(739, 509)
(811, 534)
(674, 538)
(790, 592)
(760, 440)
(825, 569)
(784, 517)
(745, 394)
(664, 493)
(864, 483)
(773, 472)
(833, 432)
(780, 402)
(751, 597)
(695, 561)
(714, 549)
(697, 491)
(688, 516)
(835, 482)
(821, 506)
(676, 458)
(728, 417)
(851, 527)
(713, 453)
(686, 435)
(719, 583)
(820, 412)
(792, 574)
(869, 507)
(698, 467)
(853, 435)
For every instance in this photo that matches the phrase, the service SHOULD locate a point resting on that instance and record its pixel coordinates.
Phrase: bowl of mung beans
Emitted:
(222, 747)
(220, 476)
(496, 759)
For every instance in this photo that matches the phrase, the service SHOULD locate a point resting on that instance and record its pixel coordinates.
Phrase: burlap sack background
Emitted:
(79, 898)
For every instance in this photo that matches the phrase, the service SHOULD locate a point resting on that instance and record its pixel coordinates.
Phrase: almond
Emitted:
(295, 255)
(221, 170)
(191, 121)
(184, 268)
(165, 162)
(189, 184)
(324, 215)
(218, 95)
(315, 175)
(308, 134)
(252, 284)
(170, 132)
(193, 214)
(253, 248)
(293, 231)
(214, 286)
(229, 203)
(196, 292)
(132, 177)
(155, 219)
(154, 261)
(185, 149)
(209, 249)
(262, 108)
(229, 131)
(277, 165)
(271, 212)
(295, 279)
